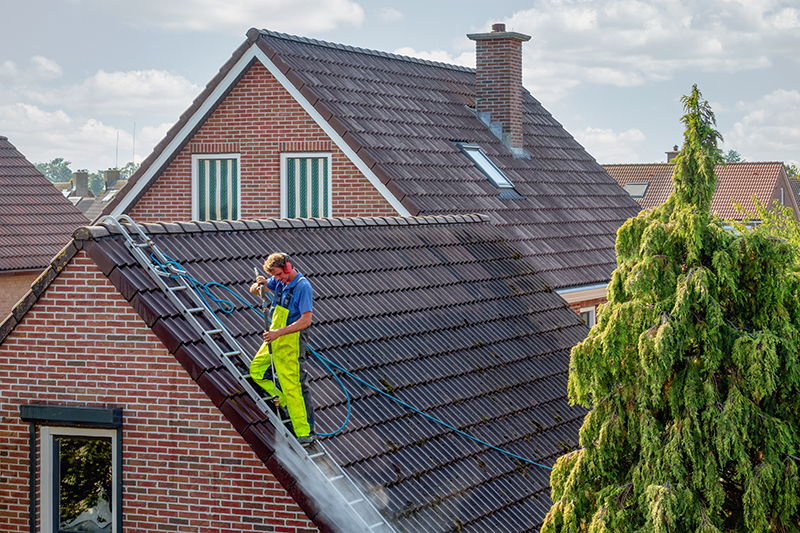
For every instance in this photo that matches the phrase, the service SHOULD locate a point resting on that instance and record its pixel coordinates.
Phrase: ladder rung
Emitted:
(177, 288)
(196, 310)
(355, 501)
(373, 526)
(314, 456)
(334, 478)
(212, 331)
(231, 354)
(142, 244)
(287, 421)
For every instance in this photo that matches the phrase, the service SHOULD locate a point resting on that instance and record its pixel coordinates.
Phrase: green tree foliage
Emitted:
(791, 171)
(57, 170)
(128, 170)
(732, 156)
(691, 374)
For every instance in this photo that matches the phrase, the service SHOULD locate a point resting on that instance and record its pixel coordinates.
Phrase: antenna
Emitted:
(133, 152)
(116, 154)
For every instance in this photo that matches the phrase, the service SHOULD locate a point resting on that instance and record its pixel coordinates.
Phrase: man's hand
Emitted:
(272, 334)
(255, 288)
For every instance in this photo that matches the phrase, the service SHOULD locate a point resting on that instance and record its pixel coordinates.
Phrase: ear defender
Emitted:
(287, 265)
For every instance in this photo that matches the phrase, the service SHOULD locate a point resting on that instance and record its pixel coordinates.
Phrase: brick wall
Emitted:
(184, 466)
(12, 288)
(259, 119)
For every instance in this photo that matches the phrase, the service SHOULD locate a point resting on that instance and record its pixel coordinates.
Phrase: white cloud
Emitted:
(46, 68)
(770, 128)
(467, 59)
(628, 43)
(609, 146)
(236, 16)
(127, 93)
(388, 14)
(8, 68)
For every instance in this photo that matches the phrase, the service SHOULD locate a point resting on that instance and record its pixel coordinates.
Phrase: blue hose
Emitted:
(226, 306)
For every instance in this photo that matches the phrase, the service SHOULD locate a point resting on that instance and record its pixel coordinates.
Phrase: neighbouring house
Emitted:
(78, 192)
(650, 184)
(296, 127)
(442, 313)
(35, 223)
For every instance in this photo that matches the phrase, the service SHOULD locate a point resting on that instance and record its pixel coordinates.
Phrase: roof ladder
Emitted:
(367, 518)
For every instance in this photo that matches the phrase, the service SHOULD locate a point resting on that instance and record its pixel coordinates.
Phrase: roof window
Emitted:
(480, 160)
(636, 190)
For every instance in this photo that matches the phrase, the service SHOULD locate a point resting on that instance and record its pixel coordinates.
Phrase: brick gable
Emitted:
(259, 119)
(184, 466)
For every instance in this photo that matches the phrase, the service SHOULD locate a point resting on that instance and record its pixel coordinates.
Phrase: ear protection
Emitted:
(287, 265)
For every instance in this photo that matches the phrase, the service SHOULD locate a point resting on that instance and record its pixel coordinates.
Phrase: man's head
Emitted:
(279, 266)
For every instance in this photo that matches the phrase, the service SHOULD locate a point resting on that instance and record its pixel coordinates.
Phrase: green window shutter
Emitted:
(307, 185)
(218, 189)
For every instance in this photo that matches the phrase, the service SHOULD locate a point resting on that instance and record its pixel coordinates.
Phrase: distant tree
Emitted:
(792, 171)
(128, 170)
(691, 375)
(732, 157)
(57, 170)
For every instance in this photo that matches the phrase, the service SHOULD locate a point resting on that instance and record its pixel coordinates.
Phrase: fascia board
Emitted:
(584, 292)
(219, 92)
(330, 132)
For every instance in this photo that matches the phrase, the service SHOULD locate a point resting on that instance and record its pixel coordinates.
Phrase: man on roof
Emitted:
(290, 316)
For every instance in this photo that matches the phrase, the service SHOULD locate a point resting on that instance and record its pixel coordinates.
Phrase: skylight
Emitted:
(494, 174)
(636, 190)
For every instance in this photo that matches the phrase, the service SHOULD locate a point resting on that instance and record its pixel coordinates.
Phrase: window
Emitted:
(79, 495)
(305, 185)
(81, 467)
(215, 187)
(483, 163)
(636, 190)
(588, 316)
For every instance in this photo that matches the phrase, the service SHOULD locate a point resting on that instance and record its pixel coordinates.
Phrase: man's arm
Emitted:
(301, 323)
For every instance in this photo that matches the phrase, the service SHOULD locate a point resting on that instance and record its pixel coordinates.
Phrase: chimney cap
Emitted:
(499, 32)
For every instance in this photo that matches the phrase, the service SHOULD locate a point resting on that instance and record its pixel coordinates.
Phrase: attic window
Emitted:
(636, 190)
(480, 160)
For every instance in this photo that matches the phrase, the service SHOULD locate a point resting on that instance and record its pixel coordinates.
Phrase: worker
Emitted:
(290, 316)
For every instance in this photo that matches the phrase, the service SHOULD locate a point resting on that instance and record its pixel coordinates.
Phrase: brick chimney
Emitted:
(81, 184)
(498, 79)
(111, 177)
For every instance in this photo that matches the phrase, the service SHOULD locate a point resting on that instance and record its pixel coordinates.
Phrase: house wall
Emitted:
(259, 119)
(12, 288)
(184, 466)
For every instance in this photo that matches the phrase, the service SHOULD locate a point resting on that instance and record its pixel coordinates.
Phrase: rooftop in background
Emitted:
(404, 118)
(36, 221)
(736, 182)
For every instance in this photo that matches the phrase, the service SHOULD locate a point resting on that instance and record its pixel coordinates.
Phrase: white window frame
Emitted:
(646, 185)
(46, 434)
(592, 315)
(196, 178)
(485, 165)
(284, 177)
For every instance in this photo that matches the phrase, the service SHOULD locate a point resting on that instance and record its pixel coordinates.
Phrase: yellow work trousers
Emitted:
(292, 389)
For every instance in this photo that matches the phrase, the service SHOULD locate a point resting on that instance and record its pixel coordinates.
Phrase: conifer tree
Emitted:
(691, 375)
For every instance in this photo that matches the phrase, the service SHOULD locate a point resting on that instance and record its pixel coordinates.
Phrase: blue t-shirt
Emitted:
(302, 296)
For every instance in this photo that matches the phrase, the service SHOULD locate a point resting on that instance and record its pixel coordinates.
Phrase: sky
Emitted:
(76, 75)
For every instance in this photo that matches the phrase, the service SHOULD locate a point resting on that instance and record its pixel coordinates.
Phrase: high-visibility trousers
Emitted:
(289, 357)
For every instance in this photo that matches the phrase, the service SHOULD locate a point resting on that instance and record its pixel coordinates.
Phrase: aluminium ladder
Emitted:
(345, 494)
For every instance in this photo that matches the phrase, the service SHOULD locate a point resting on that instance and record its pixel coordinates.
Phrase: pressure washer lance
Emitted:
(261, 288)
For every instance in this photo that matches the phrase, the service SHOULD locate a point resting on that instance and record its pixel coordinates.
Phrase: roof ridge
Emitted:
(90, 233)
(359, 50)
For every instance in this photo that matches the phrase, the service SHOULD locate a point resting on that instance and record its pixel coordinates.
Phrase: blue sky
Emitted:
(75, 73)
